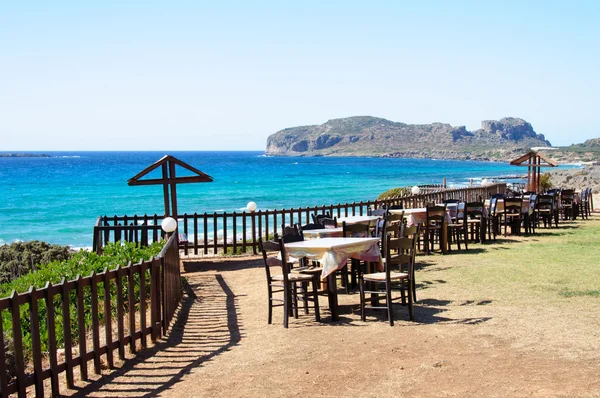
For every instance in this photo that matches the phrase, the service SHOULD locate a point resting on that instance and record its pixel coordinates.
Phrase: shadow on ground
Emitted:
(206, 326)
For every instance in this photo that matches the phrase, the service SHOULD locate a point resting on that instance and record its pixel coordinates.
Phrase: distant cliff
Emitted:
(504, 139)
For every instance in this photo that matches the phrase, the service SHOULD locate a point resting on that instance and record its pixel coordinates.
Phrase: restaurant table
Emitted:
(526, 211)
(357, 219)
(332, 254)
(418, 216)
(323, 233)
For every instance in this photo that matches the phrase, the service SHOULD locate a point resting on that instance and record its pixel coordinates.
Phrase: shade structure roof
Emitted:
(537, 159)
(169, 180)
(534, 161)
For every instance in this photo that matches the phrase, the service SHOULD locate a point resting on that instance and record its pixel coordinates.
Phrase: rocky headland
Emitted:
(497, 140)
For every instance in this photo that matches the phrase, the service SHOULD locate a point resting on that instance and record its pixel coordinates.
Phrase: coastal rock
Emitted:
(577, 178)
(504, 139)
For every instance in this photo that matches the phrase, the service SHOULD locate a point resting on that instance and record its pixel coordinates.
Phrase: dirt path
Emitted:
(460, 346)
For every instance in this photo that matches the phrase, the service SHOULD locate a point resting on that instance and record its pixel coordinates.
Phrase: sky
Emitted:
(224, 75)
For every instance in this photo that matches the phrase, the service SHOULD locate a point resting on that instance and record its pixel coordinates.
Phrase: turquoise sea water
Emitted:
(58, 198)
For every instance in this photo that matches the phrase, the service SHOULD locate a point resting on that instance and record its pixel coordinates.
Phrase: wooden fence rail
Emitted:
(69, 318)
(238, 232)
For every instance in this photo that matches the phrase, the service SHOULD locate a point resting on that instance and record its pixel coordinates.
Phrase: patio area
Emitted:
(483, 328)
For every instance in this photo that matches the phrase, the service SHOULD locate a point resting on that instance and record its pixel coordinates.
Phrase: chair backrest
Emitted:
(400, 254)
(544, 202)
(473, 210)
(533, 200)
(451, 206)
(317, 217)
(355, 230)
(493, 206)
(273, 253)
(292, 234)
(306, 227)
(435, 214)
(567, 196)
(328, 222)
(396, 207)
(513, 205)
(394, 218)
(289, 229)
(497, 196)
(409, 232)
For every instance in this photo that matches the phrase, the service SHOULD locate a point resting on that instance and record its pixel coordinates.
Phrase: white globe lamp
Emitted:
(168, 224)
(416, 190)
(484, 182)
(251, 206)
(451, 186)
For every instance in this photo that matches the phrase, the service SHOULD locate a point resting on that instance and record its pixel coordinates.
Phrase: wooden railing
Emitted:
(73, 315)
(236, 233)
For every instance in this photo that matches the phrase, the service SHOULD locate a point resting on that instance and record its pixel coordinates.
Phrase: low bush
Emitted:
(80, 263)
(20, 258)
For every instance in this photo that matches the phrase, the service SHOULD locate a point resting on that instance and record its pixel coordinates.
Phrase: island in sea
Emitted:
(504, 139)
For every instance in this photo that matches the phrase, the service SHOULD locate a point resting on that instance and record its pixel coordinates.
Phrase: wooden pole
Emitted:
(173, 189)
(165, 175)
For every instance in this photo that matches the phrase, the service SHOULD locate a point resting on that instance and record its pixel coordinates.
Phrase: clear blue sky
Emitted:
(219, 75)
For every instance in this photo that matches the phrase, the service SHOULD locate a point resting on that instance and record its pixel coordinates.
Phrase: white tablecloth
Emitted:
(323, 233)
(357, 220)
(333, 253)
(418, 215)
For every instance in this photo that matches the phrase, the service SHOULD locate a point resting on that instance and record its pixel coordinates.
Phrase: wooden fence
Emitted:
(235, 233)
(77, 317)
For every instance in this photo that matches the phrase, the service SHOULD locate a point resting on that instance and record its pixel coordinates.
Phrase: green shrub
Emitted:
(81, 263)
(20, 258)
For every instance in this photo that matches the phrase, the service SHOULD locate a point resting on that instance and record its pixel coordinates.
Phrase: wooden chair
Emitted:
(529, 221)
(435, 221)
(544, 210)
(456, 227)
(287, 283)
(357, 267)
(399, 271)
(512, 215)
(474, 221)
(328, 222)
(309, 226)
(317, 217)
(584, 203)
(567, 200)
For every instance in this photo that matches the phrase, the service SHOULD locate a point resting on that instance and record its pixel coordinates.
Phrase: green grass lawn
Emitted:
(553, 266)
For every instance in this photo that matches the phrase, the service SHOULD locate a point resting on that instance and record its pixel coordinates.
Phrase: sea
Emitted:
(58, 198)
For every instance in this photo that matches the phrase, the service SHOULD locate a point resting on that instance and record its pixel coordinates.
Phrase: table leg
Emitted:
(332, 296)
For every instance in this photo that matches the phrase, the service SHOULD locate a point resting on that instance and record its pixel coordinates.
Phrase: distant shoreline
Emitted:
(24, 155)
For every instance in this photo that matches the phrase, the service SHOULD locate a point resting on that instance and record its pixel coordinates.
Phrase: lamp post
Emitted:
(415, 190)
(251, 206)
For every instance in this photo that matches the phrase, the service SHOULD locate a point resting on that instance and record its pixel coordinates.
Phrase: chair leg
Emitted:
(414, 289)
(286, 306)
(294, 300)
(411, 312)
(388, 295)
(270, 317)
(361, 285)
(305, 296)
(315, 291)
